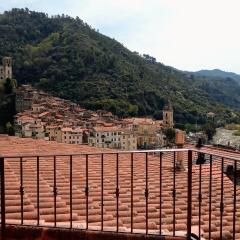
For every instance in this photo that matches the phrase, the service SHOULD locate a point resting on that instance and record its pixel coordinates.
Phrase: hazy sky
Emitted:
(186, 34)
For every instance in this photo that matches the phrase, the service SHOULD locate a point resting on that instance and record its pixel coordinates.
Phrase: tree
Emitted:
(10, 85)
(8, 88)
(188, 127)
(170, 135)
(210, 129)
(10, 129)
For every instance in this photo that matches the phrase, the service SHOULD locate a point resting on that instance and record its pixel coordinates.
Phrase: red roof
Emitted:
(27, 146)
(43, 114)
(107, 129)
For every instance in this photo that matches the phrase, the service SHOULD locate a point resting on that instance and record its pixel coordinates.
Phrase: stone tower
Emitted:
(168, 116)
(7, 67)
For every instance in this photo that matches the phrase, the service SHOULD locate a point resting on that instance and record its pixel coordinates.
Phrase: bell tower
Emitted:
(7, 67)
(168, 116)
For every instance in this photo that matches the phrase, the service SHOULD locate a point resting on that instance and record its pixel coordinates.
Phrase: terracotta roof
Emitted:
(26, 117)
(27, 146)
(143, 121)
(51, 127)
(66, 129)
(43, 114)
(108, 129)
(76, 130)
(107, 124)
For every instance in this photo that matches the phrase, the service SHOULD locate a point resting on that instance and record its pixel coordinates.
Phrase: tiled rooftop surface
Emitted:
(14, 145)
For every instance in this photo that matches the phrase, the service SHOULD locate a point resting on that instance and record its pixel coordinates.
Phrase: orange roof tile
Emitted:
(107, 129)
(43, 114)
(38, 147)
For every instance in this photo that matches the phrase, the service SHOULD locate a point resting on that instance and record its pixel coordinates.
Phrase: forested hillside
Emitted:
(7, 104)
(217, 73)
(68, 58)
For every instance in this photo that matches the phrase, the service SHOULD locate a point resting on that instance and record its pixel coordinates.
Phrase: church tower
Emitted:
(7, 67)
(168, 116)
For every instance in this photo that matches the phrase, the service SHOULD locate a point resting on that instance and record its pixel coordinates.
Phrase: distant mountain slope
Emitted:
(68, 58)
(218, 73)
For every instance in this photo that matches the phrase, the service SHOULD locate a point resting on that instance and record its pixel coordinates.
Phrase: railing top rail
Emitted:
(93, 153)
(119, 152)
(217, 155)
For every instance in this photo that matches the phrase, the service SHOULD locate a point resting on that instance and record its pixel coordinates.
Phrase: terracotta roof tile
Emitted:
(29, 146)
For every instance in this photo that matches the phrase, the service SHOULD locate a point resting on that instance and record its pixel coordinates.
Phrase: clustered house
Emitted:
(41, 116)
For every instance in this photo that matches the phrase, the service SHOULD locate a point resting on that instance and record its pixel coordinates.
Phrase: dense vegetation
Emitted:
(7, 105)
(68, 58)
(217, 73)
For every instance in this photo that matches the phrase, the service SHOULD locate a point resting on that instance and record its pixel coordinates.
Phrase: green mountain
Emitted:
(69, 59)
(217, 73)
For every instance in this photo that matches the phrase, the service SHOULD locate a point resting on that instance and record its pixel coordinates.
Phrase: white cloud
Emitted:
(187, 34)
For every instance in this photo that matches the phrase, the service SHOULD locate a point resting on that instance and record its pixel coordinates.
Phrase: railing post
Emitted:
(189, 196)
(3, 219)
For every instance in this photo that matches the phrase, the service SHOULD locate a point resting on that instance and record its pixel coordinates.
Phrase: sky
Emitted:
(186, 34)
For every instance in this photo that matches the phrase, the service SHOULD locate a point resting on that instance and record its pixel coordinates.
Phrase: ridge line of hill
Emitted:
(67, 58)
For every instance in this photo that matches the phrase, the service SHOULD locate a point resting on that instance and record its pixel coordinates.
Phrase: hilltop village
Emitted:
(41, 116)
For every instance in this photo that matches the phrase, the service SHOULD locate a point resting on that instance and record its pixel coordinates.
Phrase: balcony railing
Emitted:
(156, 195)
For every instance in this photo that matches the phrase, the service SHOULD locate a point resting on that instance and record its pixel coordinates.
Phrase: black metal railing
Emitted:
(151, 166)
